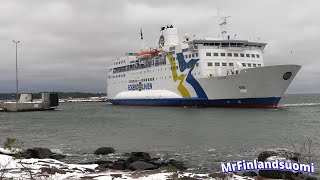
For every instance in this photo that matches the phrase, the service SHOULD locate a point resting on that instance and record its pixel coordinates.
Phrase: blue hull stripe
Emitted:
(244, 102)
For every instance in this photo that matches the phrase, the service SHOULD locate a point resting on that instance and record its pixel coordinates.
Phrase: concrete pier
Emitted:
(49, 101)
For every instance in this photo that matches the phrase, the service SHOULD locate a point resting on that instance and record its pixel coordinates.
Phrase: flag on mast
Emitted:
(141, 33)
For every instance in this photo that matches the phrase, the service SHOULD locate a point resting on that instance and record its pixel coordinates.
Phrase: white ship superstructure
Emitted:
(223, 72)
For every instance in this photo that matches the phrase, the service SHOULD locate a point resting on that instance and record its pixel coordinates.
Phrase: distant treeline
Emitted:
(62, 95)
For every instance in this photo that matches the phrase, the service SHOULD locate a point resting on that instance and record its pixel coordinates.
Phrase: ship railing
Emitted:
(137, 67)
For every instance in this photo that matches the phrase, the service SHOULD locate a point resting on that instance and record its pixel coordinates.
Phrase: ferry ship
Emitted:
(220, 72)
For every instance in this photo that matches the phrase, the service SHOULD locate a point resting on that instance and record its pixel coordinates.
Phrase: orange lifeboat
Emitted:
(148, 54)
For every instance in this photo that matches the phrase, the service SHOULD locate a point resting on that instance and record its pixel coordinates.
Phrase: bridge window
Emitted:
(197, 54)
(224, 64)
(258, 56)
(259, 65)
(229, 54)
(208, 54)
(230, 64)
(217, 64)
(254, 65)
(197, 64)
(225, 45)
(209, 63)
(244, 64)
(249, 64)
(189, 55)
(192, 55)
(241, 55)
(223, 54)
(236, 55)
(186, 56)
(215, 54)
(248, 55)
(253, 56)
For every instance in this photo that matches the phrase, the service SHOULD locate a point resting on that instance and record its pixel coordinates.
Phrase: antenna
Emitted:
(222, 23)
(141, 39)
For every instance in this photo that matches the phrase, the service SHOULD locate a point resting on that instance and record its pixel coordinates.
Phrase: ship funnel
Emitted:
(168, 37)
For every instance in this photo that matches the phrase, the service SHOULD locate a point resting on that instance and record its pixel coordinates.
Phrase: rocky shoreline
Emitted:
(42, 162)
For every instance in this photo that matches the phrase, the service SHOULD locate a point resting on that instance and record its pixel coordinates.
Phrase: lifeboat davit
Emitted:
(148, 54)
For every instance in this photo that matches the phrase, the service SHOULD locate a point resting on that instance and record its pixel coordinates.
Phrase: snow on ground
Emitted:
(57, 170)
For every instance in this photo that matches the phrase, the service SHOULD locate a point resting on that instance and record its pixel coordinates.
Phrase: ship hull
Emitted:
(260, 87)
(268, 102)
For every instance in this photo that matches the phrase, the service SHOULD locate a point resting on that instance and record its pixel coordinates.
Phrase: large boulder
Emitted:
(104, 151)
(140, 165)
(280, 152)
(280, 155)
(38, 152)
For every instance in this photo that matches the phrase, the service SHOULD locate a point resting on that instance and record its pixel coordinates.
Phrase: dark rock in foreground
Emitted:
(52, 170)
(306, 177)
(177, 164)
(118, 165)
(58, 156)
(141, 155)
(281, 155)
(104, 151)
(138, 156)
(138, 161)
(311, 178)
(140, 165)
(37, 152)
(250, 173)
(218, 175)
(290, 155)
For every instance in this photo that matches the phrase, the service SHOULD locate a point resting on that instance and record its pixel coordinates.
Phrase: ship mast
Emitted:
(223, 24)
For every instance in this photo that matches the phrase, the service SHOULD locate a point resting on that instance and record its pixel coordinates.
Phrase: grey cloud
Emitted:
(67, 45)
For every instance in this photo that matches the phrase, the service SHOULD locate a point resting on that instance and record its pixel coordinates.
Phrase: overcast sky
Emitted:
(68, 45)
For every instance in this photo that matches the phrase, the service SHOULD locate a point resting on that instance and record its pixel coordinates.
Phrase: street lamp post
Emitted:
(17, 85)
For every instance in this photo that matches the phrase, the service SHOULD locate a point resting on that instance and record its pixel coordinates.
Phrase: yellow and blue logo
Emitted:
(182, 66)
(161, 41)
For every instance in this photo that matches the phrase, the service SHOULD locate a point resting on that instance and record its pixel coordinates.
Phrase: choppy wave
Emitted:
(300, 104)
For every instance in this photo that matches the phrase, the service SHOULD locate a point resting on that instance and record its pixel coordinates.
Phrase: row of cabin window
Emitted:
(147, 79)
(251, 65)
(231, 64)
(142, 80)
(117, 76)
(233, 55)
(191, 55)
(120, 62)
(218, 64)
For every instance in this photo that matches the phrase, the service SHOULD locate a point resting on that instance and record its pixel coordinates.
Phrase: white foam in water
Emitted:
(57, 151)
(300, 104)
(211, 150)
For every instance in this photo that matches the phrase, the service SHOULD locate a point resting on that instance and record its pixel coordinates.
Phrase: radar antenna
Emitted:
(223, 24)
